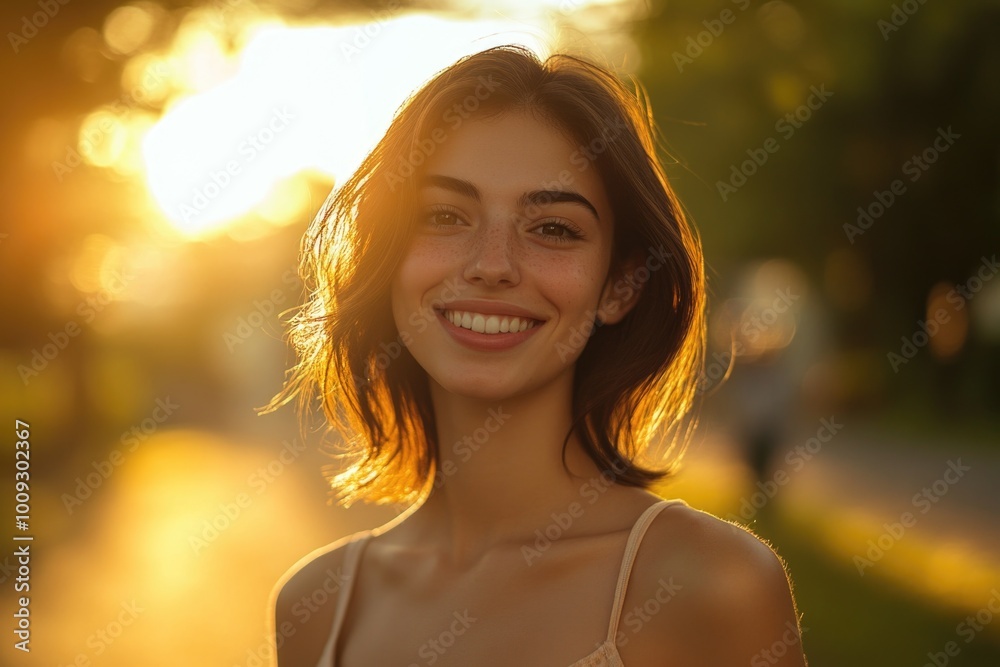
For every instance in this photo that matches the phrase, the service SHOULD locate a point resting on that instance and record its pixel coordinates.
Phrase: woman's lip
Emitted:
(499, 318)
(490, 307)
(484, 341)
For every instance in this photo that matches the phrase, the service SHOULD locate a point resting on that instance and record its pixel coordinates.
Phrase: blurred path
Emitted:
(888, 474)
(917, 511)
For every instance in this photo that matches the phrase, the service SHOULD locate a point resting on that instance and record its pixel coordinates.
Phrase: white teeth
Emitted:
(488, 324)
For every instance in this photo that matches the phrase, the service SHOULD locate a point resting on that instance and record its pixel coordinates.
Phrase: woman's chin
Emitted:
(498, 384)
(480, 388)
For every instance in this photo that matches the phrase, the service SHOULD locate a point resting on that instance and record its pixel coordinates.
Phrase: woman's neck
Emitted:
(501, 476)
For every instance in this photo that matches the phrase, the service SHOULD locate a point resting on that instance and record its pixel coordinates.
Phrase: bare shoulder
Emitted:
(731, 598)
(699, 544)
(304, 602)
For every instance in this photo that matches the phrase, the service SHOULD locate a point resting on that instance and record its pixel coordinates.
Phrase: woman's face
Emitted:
(504, 275)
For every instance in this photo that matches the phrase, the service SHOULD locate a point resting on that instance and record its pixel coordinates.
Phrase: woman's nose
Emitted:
(493, 255)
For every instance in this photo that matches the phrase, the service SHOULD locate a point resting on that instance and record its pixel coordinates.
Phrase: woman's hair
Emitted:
(634, 382)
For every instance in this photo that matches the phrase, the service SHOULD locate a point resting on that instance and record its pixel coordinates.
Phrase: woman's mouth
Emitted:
(488, 324)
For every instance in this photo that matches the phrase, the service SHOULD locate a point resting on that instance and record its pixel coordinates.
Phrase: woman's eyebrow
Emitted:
(533, 198)
(543, 197)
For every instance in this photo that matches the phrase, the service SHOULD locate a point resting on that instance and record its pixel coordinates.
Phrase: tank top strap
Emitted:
(352, 556)
(631, 549)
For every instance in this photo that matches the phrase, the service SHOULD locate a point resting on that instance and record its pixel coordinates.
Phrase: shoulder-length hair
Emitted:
(635, 382)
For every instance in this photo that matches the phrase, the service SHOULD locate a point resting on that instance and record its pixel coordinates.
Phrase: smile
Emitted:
(488, 324)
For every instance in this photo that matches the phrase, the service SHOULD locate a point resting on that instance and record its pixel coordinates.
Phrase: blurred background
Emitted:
(840, 160)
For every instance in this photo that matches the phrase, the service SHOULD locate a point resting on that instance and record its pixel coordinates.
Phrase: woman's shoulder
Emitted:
(322, 568)
(696, 542)
(304, 601)
(730, 594)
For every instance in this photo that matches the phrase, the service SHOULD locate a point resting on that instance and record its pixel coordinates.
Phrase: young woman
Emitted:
(507, 320)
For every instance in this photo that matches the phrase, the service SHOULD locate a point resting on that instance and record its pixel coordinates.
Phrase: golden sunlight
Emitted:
(303, 101)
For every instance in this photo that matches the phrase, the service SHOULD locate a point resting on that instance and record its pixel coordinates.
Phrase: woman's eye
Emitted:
(442, 219)
(445, 218)
(557, 230)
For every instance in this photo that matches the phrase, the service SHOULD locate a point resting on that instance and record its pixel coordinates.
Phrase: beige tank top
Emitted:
(606, 654)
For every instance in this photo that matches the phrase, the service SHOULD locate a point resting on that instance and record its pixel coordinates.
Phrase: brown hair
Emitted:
(634, 382)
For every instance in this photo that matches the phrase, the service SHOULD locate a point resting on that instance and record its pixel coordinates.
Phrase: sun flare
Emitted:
(303, 102)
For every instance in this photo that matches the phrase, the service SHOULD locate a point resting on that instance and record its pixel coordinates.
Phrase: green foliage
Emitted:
(722, 79)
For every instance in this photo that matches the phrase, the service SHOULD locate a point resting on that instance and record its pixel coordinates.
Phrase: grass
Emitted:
(860, 622)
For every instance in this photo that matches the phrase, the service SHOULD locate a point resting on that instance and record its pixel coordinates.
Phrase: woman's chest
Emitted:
(502, 612)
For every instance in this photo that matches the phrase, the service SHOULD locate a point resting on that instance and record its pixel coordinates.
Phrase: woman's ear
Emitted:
(622, 290)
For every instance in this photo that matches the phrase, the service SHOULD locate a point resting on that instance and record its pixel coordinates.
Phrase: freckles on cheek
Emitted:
(414, 257)
(570, 282)
(423, 267)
